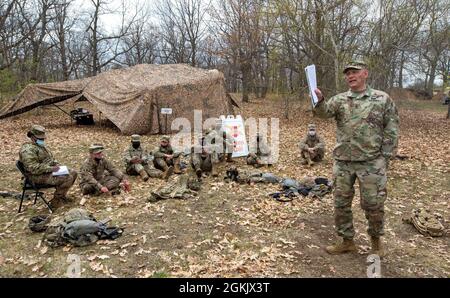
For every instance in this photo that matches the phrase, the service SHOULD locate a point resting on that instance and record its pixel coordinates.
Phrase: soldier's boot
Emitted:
(229, 159)
(177, 169)
(347, 245)
(308, 159)
(214, 171)
(144, 175)
(377, 247)
(56, 203)
(167, 173)
(303, 161)
(198, 172)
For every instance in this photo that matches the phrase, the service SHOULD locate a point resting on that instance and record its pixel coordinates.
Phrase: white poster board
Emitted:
(310, 71)
(234, 126)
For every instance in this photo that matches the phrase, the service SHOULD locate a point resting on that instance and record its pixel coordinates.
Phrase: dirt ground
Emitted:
(232, 230)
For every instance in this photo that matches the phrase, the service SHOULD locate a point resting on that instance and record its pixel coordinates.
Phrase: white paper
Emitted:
(234, 126)
(63, 170)
(312, 83)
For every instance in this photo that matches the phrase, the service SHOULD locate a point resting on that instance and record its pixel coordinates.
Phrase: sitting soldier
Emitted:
(98, 174)
(223, 143)
(136, 160)
(259, 152)
(312, 147)
(165, 157)
(39, 164)
(201, 160)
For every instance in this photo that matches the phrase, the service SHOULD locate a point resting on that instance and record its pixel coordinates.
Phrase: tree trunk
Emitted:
(246, 81)
(431, 79)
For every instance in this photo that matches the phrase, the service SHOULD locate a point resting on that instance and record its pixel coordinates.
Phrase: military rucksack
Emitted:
(79, 228)
(426, 223)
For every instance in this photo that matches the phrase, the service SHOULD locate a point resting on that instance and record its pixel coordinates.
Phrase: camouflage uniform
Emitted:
(39, 163)
(367, 134)
(161, 162)
(312, 142)
(223, 143)
(96, 174)
(142, 168)
(259, 153)
(201, 161)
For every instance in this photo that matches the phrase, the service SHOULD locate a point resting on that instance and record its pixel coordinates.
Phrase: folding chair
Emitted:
(29, 185)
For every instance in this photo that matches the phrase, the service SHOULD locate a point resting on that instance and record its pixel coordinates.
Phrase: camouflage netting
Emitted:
(132, 97)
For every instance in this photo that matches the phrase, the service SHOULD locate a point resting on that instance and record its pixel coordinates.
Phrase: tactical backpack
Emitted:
(79, 228)
(426, 223)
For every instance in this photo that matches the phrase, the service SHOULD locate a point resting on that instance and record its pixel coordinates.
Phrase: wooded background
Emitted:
(262, 46)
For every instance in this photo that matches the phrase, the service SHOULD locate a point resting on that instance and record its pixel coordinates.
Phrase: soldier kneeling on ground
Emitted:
(312, 147)
(98, 174)
(39, 164)
(201, 160)
(136, 160)
(165, 158)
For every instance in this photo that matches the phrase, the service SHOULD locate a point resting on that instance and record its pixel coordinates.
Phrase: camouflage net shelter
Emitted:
(132, 97)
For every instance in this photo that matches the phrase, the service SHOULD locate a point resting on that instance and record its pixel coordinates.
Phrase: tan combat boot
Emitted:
(214, 171)
(177, 169)
(347, 245)
(167, 173)
(377, 247)
(144, 175)
(56, 203)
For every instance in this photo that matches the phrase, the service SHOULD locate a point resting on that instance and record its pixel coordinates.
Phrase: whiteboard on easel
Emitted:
(234, 126)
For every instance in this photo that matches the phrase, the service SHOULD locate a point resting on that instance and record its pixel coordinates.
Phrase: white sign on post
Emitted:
(166, 111)
(234, 126)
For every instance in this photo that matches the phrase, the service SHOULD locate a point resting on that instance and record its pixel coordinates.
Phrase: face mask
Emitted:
(136, 145)
(311, 133)
(40, 143)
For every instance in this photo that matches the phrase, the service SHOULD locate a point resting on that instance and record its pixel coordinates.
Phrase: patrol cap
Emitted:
(355, 64)
(135, 138)
(165, 138)
(311, 126)
(37, 131)
(96, 148)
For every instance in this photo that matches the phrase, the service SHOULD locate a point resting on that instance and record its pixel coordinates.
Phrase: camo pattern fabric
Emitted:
(372, 182)
(38, 162)
(95, 175)
(316, 143)
(367, 124)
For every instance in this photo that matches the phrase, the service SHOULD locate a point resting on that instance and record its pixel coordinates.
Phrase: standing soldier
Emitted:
(39, 164)
(165, 158)
(98, 174)
(259, 153)
(367, 135)
(201, 160)
(136, 161)
(312, 147)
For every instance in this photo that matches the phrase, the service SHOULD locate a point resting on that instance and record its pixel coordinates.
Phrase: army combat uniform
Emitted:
(201, 161)
(96, 174)
(311, 142)
(367, 135)
(161, 162)
(38, 162)
(223, 144)
(141, 168)
(259, 153)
